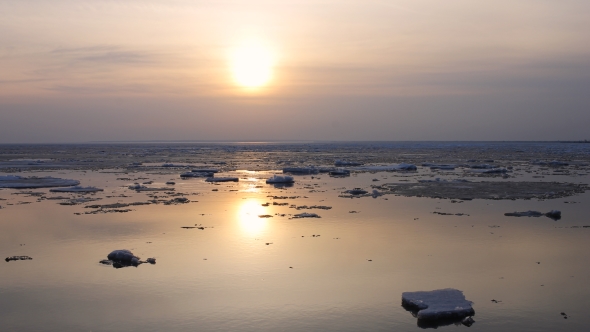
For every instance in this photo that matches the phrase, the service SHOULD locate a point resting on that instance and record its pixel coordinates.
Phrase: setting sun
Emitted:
(252, 65)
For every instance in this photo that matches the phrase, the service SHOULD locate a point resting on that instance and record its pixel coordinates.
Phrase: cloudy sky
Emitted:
(127, 70)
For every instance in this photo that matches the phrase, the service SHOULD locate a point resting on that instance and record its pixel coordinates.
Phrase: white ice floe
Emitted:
(443, 180)
(393, 167)
(227, 179)
(76, 189)
(280, 179)
(356, 191)
(438, 304)
(19, 182)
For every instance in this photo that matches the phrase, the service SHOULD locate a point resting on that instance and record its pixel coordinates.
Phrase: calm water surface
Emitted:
(341, 272)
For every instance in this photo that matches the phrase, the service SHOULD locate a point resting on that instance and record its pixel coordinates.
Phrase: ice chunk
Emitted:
(123, 258)
(18, 182)
(138, 187)
(196, 175)
(553, 214)
(339, 172)
(205, 170)
(393, 167)
(356, 191)
(438, 304)
(340, 163)
(76, 189)
(306, 215)
(301, 170)
(280, 179)
(17, 258)
(228, 179)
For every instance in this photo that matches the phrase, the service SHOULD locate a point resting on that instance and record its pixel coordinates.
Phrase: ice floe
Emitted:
(226, 179)
(553, 214)
(17, 258)
(306, 215)
(138, 187)
(196, 175)
(390, 168)
(280, 179)
(123, 258)
(76, 189)
(19, 182)
(301, 170)
(438, 304)
(340, 163)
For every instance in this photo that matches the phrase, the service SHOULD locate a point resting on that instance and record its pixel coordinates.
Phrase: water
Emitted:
(341, 272)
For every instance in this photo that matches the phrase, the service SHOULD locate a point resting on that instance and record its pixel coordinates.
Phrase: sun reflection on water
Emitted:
(248, 217)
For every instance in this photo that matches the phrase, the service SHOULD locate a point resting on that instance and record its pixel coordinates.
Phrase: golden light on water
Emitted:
(252, 64)
(248, 217)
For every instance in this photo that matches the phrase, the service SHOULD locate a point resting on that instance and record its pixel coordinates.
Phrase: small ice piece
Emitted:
(524, 214)
(138, 187)
(554, 214)
(339, 172)
(393, 167)
(124, 256)
(171, 183)
(356, 191)
(76, 189)
(280, 179)
(490, 171)
(205, 170)
(228, 179)
(19, 182)
(151, 260)
(17, 258)
(306, 215)
(301, 170)
(438, 304)
(376, 193)
(340, 163)
(196, 175)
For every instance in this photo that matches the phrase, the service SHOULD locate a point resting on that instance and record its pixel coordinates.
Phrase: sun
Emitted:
(252, 65)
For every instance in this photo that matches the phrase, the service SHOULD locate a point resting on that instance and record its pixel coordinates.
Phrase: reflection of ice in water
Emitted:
(248, 217)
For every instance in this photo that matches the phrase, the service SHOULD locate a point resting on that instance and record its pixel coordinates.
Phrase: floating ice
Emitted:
(553, 214)
(138, 187)
(196, 175)
(438, 304)
(17, 258)
(490, 170)
(18, 182)
(228, 179)
(306, 215)
(301, 170)
(340, 163)
(123, 258)
(280, 179)
(339, 172)
(356, 191)
(76, 189)
(205, 170)
(385, 168)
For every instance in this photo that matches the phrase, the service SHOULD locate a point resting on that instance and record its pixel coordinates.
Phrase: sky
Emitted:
(265, 70)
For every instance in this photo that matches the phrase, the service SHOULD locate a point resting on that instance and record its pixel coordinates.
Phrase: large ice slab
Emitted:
(19, 182)
(438, 304)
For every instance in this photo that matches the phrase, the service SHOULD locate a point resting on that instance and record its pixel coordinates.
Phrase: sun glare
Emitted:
(249, 219)
(252, 65)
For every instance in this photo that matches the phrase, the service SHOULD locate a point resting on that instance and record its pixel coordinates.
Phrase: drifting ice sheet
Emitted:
(222, 179)
(394, 167)
(76, 189)
(18, 182)
(438, 304)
